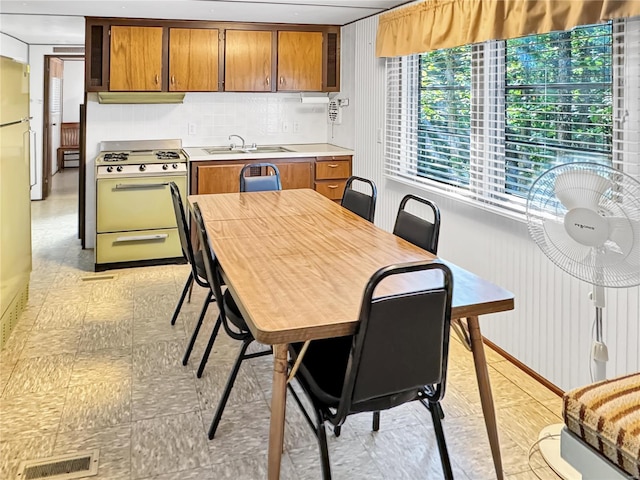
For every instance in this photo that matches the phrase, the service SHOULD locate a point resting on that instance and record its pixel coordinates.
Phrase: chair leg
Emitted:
(376, 421)
(227, 389)
(190, 292)
(324, 451)
(196, 330)
(187, 286)
(207, 351)
(442, 446)
(439, 407)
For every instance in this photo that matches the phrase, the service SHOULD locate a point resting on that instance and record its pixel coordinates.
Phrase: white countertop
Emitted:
(196, 154)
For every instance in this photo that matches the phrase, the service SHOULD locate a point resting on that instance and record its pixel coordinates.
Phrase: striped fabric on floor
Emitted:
(606, 415)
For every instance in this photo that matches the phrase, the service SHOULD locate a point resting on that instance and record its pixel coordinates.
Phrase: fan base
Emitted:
(550, 450)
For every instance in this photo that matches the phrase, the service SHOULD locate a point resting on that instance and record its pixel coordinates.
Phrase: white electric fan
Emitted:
(585, 217)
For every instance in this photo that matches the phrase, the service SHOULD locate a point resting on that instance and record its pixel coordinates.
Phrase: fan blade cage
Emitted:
(604, 193)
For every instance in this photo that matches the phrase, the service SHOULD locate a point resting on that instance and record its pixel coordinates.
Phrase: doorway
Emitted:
(63, 95)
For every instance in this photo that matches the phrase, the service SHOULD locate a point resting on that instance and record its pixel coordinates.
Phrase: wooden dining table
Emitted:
(297, 264)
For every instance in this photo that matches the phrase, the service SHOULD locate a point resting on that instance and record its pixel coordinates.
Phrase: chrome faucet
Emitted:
(233, 144)
(244, 147)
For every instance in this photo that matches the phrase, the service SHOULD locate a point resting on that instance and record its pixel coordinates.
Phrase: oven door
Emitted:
(138, 203)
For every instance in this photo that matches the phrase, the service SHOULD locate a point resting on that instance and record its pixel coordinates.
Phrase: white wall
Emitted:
(550, 328)
(268, 118)
(36, 110)
(72, 90)
(13, 48)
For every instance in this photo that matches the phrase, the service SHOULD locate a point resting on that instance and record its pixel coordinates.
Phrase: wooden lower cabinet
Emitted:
(224, 176)
(331, 174)
(218, 178)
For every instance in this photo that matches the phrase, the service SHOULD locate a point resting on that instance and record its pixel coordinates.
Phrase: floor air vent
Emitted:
(62, 467)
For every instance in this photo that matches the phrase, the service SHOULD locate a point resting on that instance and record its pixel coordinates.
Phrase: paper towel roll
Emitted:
(324, 100)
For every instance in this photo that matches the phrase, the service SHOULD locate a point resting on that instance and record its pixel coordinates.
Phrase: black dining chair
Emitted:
(197, 274)
(229, 317)
(398, 354)
(261, 177)
(360, 203)
(419, 231)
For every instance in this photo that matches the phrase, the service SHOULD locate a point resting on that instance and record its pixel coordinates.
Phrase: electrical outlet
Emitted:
(296, 127)
(193, 129)
(285, 127)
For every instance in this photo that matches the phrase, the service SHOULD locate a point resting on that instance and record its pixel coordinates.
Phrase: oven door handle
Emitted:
(139, 186)
(142, 238)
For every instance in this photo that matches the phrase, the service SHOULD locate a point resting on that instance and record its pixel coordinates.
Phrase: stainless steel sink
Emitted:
(258, 149)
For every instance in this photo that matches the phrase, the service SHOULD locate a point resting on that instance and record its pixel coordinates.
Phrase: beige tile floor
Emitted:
(94, 363)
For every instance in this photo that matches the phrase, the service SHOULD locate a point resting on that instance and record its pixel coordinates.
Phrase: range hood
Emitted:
(140, 97)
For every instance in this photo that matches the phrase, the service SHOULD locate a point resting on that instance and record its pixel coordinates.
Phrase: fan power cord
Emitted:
(533, 446)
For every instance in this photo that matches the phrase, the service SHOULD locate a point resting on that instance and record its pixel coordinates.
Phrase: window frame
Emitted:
(486, 188)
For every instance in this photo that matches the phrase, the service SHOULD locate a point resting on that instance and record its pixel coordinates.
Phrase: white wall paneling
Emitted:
(13, 48)
(36, 108)
(550, 328)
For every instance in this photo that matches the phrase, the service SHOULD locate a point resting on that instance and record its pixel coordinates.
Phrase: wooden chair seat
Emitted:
(69, 143)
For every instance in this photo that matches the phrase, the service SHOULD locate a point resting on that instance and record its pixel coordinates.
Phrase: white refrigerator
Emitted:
(15, 203)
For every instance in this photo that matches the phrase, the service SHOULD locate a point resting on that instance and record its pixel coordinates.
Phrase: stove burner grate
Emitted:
(115, 157)
(167, 155)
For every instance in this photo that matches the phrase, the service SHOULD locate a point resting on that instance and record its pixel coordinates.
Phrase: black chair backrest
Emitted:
(260, 183)
(360, 203)
(210, 262)
(416, 230)
(402, 342)
(183, 225)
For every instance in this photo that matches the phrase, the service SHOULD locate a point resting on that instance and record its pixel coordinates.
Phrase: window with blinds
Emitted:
(482, 122)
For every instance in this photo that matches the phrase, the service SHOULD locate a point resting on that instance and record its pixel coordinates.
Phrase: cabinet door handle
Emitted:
(332, 186)
(281, 80)
(333, 165)
(268, 81)
(173, 80)
(157, 78)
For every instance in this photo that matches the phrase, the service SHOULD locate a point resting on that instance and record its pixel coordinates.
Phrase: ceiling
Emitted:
(55, 22)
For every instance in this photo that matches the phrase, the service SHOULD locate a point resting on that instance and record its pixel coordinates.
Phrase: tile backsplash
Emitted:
(209, 119)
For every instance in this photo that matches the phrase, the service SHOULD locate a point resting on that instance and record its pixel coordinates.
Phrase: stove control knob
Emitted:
(109, 169)
(119, 168)
(143, 168)
(175, 165)
(165, 166)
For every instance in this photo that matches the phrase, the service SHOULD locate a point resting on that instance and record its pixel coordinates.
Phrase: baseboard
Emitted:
(12, 314)
(535, 375)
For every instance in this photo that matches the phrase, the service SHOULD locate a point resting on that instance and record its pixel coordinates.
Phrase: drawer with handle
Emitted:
(138, 245)
(328, 169)
(331, 189)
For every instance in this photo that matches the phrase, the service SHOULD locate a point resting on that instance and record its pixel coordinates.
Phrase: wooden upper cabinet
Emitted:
(193, 60)
(136, 58)
(300, 61)
(128, 55)
(247, 62)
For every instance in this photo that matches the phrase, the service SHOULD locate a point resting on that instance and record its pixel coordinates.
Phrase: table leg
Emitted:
(278, 403)
(486, 397)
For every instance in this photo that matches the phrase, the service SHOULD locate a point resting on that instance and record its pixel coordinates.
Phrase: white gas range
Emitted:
(135, 219)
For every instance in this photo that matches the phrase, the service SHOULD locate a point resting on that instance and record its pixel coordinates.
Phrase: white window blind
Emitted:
(481, 122)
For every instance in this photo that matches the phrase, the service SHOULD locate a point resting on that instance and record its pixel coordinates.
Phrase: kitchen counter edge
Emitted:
(198, 154)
